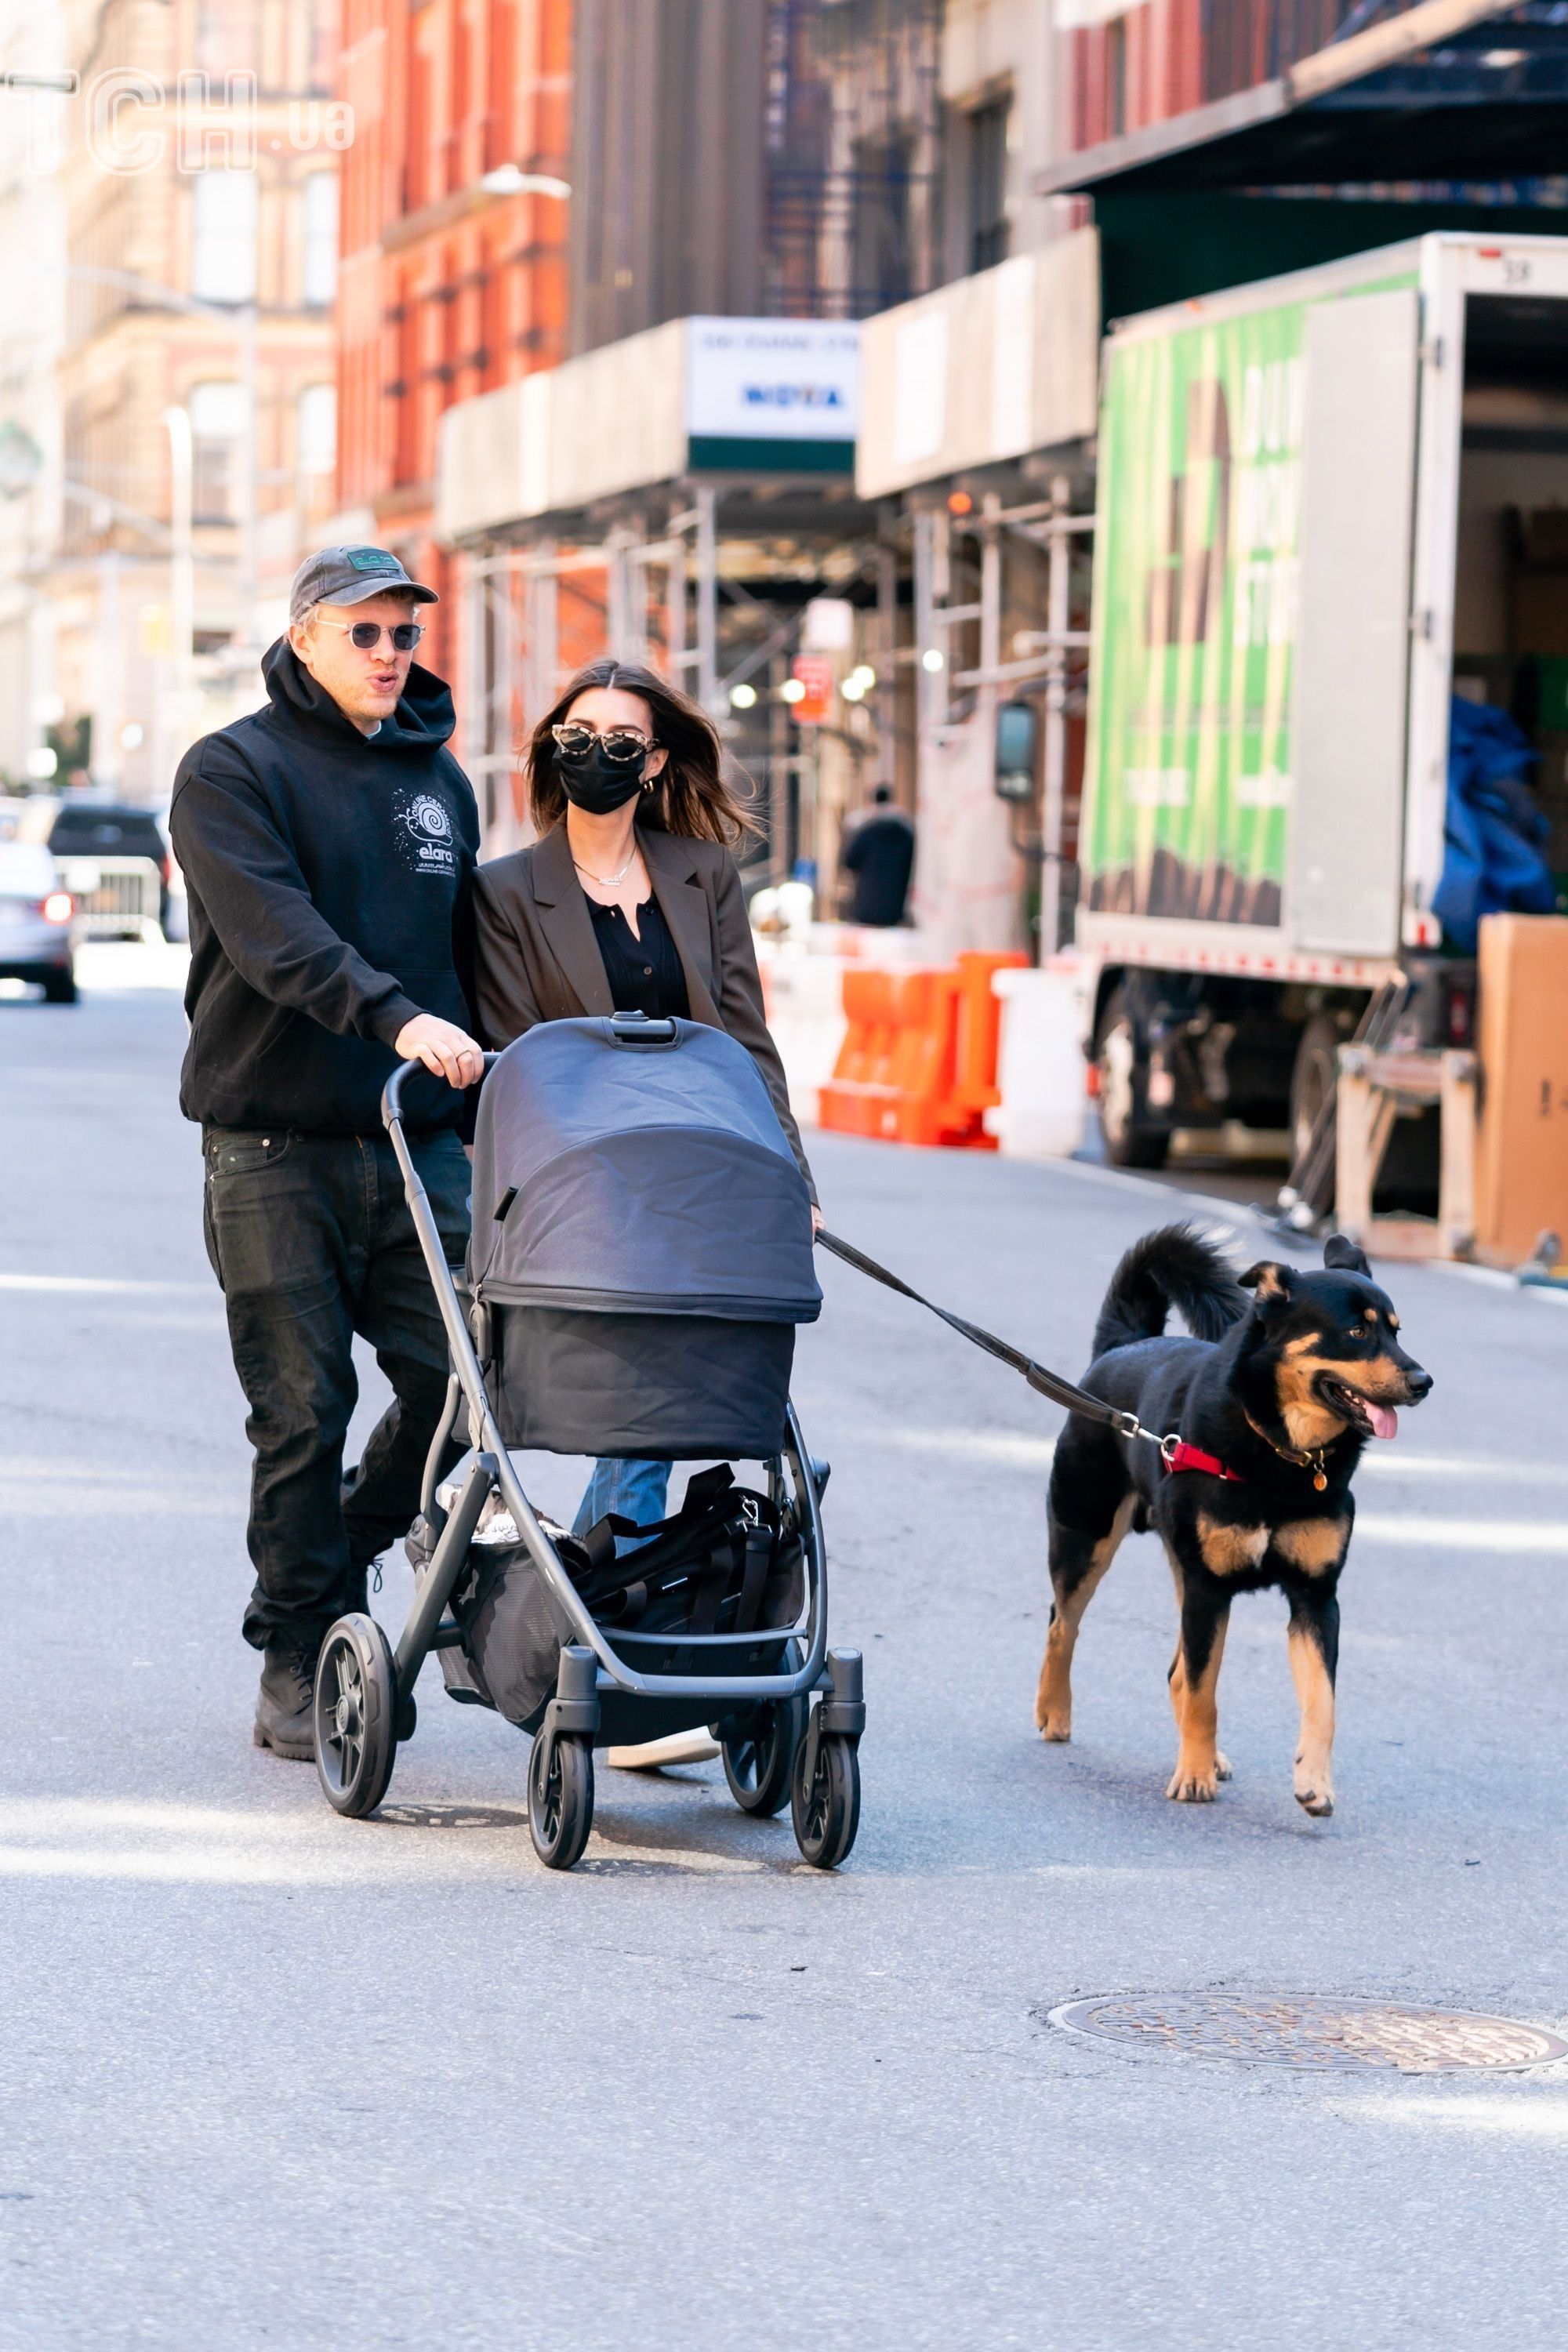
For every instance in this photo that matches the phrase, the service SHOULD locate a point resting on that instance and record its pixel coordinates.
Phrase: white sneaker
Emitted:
(697, 1747)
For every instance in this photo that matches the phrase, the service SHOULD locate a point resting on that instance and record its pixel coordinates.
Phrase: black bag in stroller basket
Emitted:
(723, 1563)
(642, 1244)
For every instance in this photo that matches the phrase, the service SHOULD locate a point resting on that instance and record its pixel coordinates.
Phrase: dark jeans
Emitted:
(312, 1240)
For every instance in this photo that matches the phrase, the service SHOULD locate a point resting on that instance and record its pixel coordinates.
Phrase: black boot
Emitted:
(284, 1705)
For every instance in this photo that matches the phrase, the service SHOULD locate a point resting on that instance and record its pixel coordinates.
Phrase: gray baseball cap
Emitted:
(348, 575)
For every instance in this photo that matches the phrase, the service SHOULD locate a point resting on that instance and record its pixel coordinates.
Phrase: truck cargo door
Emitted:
(1353, 640)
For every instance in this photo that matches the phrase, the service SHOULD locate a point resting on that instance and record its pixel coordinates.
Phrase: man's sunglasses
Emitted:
(367, 634)
(620, 745)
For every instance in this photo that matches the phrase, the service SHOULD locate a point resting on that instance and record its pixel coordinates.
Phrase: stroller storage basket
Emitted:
(728, 1564)
(642, 1244)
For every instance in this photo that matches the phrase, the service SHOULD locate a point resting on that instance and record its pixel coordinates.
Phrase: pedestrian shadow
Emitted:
(644, 1845)
(640, 1843)
(451, 1817)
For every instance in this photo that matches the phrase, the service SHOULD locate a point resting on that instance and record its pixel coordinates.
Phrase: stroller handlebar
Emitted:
(392, 1093)
(633, 1029)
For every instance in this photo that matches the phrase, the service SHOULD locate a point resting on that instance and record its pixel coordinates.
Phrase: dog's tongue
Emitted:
(1385, 1420)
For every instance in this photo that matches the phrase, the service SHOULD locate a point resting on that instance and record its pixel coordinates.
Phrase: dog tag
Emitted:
(1319, 1480)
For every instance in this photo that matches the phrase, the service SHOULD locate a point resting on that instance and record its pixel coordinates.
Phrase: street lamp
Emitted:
(181, 557)
(511, 180)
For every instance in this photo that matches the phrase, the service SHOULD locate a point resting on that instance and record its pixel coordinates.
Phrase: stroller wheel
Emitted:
(827, 1814)
(757, 1765)
(560, 1798)
(356, 1705)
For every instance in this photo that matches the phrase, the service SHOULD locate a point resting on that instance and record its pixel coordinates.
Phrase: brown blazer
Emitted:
(537, 956)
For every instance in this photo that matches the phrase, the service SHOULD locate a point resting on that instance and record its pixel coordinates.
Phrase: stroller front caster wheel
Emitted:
(356, 1715)
(758, 1764)
(560, 1798)
(826, 1815)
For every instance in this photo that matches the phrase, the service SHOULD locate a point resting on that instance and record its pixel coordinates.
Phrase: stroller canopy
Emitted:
(618, 1177)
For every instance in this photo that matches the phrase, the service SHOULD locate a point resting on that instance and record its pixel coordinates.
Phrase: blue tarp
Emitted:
(1494, 832)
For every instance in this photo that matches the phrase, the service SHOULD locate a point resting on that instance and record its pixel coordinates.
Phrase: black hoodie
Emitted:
(329, 876)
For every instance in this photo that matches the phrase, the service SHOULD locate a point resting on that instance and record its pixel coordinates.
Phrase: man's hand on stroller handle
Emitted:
(447, 1051)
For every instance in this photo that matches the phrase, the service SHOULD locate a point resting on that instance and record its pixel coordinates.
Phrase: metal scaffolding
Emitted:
(660, 592)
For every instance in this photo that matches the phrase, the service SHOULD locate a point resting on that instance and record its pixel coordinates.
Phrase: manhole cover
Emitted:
(1312, 2034)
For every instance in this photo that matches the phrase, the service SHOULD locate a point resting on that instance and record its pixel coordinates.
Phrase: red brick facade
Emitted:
(445, 290)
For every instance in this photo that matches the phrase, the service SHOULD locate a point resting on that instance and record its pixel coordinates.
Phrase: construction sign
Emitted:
(815, 707)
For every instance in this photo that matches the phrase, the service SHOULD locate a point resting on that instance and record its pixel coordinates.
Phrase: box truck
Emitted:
(1325, 504)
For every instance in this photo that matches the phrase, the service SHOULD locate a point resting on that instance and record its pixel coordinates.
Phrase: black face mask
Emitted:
(598, 784)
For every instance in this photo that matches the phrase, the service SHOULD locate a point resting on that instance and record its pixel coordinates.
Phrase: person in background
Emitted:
(329, 841)
(628, 902)
(877, 849)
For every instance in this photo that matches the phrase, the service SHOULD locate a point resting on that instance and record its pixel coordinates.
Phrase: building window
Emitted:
(223, 236)
(1116, 77)
(988, 184)
(226, 39)
(883, 259)
(319, 268)
(318, 431)
(217, 426)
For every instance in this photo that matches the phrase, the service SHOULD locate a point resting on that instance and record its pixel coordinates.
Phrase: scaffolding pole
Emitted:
(541, 636)
(675, 652)
(707, 600)
(990, 615)
(1056, 584)
(887, 657)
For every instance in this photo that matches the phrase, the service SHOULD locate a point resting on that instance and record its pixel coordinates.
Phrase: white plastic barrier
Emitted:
(1040, 1067)
(804, 994)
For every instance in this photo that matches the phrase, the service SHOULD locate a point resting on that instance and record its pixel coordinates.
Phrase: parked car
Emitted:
(116, 863)
(36, 921)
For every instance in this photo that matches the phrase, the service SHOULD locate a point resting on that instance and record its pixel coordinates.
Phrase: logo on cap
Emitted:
(372, 558)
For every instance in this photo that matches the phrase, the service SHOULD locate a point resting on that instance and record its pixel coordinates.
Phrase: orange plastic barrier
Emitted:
(919, 1062)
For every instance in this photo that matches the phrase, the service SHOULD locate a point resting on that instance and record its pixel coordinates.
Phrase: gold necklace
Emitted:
(608, 881)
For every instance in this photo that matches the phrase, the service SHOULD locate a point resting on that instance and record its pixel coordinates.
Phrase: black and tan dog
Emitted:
(1267, 1408)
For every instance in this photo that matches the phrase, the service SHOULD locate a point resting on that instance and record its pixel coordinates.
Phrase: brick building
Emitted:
(199, 228)
(449, 284)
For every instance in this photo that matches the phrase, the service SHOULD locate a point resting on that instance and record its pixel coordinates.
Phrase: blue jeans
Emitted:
(637, 1490)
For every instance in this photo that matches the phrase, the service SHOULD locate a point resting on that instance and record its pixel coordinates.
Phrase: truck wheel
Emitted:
(1132, 1139)
(1314, 1074)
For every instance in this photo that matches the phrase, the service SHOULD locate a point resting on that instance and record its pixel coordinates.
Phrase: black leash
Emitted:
(1045, 1384)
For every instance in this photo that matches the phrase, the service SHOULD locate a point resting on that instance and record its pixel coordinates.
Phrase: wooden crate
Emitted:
(1522, 1177)
(1372, 1088)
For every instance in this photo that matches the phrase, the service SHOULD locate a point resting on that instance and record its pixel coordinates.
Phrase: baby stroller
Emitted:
(641, 1256)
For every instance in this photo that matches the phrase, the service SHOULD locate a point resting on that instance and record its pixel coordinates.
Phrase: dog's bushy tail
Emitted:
(1174, 1267)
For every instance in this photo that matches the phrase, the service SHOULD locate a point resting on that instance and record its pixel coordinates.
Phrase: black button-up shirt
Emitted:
(644, 974)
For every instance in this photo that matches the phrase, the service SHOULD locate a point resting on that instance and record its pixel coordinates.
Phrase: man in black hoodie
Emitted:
(328, 842)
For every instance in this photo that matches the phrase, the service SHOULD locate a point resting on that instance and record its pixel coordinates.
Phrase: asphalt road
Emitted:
(272, 2078)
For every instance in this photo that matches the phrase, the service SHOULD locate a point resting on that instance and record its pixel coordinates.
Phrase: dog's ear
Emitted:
(1342, 1256)
(1271, 1283)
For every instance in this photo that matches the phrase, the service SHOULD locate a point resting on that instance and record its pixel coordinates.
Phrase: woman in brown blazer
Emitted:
(628, 901)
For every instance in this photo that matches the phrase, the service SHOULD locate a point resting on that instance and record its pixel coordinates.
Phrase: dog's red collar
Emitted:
(1177, 1455)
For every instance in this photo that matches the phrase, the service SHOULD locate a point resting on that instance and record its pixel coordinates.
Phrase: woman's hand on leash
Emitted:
(817, 1220)
(447, 1051)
